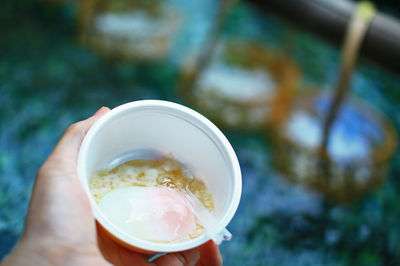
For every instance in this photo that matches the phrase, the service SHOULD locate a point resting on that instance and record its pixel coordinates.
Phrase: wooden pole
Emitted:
(208, 51)
(354, 37)
(329, 19)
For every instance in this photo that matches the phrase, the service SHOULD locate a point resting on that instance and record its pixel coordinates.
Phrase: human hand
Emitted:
(60, 228)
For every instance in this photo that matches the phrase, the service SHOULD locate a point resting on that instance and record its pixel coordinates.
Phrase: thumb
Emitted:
(69, 144)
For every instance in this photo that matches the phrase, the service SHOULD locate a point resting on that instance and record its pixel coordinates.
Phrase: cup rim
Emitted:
(194, 117)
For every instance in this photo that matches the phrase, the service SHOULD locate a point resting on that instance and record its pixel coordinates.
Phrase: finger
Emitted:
(188, 257)
(116, 254)
(69, 144)
(209, 254)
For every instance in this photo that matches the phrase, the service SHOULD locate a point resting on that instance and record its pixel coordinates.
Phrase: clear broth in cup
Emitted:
(149, 173)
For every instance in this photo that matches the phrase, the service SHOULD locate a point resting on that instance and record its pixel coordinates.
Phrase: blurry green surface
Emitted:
(48, 81)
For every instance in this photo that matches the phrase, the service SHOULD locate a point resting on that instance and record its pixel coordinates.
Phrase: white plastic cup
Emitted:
(172, 130)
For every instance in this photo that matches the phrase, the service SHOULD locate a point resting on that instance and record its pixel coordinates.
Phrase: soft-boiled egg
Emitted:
(150, 213)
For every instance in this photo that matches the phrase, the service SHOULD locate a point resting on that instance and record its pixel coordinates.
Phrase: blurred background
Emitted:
(316, 141)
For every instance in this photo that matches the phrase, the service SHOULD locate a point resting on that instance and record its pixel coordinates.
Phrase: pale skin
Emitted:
(60, 228)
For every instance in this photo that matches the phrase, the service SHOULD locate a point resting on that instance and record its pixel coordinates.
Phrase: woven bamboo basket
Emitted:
(234, 111)
(362, 142)
(139, 30)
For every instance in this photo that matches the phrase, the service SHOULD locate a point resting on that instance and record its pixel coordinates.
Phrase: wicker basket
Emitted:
(243, 112)
(361, 145)
(128, 29)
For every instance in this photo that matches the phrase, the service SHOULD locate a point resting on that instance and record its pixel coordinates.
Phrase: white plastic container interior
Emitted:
(142, 128)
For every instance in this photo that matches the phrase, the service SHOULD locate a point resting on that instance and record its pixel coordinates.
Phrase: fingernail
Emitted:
(102, 109)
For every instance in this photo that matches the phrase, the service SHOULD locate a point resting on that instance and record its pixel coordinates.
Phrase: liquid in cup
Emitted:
(143, 197)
